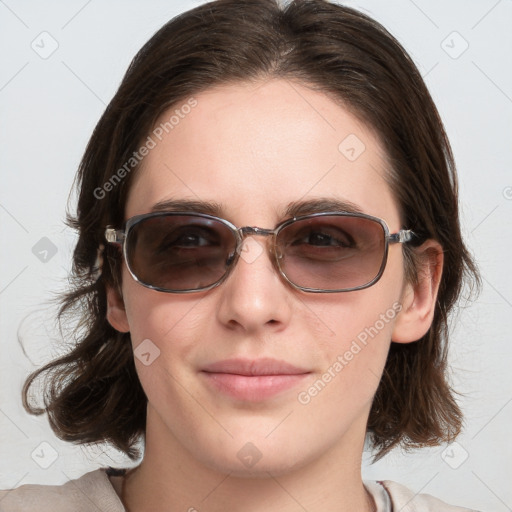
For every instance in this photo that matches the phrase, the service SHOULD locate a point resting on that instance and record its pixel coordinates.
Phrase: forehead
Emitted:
(253, 149)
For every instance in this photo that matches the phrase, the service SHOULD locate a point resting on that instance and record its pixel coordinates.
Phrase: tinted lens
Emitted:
(332, 252)
(179, 252)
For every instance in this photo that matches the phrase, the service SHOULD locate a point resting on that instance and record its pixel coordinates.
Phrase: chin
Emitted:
(248, 456)
(263, 468)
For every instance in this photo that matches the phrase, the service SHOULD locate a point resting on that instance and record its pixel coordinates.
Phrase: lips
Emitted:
(254, 367)
(252, 380)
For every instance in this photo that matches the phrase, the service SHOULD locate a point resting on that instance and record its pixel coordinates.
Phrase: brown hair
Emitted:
(93, 394)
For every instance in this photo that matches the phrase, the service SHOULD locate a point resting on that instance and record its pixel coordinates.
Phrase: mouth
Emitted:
(252, 380)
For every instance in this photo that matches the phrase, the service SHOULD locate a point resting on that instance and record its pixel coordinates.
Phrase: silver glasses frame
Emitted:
(119, 237)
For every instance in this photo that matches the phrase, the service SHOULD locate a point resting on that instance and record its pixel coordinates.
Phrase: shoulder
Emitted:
(405, 500)
(90, 491)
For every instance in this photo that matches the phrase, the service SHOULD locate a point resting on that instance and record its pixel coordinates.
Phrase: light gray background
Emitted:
(49, 107)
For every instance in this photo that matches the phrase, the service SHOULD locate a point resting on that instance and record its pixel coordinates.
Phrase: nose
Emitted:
(254, 296)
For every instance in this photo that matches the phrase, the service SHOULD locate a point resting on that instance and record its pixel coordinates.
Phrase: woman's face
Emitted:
(254, 149)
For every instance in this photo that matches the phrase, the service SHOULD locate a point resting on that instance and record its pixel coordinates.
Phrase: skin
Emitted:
(254, 148)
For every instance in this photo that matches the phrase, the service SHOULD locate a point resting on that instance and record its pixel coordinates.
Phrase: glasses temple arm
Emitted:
(403, 236)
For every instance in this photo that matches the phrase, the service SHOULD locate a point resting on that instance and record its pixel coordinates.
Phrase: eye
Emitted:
(189, 237)
(324, 237)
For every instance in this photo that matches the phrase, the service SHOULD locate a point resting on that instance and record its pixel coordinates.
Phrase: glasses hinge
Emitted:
(405, 235)
(111, 235)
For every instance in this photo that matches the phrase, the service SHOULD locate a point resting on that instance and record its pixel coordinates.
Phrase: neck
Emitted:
(171, 476)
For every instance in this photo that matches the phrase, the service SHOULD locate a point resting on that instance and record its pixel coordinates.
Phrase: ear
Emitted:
(116, 312)
(419, 299)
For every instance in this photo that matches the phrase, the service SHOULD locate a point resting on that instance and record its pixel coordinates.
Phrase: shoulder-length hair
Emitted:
(93, 394)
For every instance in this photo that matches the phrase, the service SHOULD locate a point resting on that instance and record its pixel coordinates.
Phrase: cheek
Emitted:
(164, 339)
(164, 331)
(156, 315)
(355, 355)
(360, 325)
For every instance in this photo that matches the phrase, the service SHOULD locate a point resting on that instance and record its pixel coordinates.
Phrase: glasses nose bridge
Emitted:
(246, 231)
(254, 230)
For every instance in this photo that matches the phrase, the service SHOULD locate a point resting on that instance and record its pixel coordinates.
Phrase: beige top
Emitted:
(96, 491)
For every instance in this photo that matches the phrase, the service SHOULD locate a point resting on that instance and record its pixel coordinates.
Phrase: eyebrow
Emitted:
(321, 204)
(292, 209)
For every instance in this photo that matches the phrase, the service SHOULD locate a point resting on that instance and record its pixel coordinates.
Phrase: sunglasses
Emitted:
(179, 252)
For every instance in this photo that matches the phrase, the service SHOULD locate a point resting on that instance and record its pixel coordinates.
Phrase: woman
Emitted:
(269, 248)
